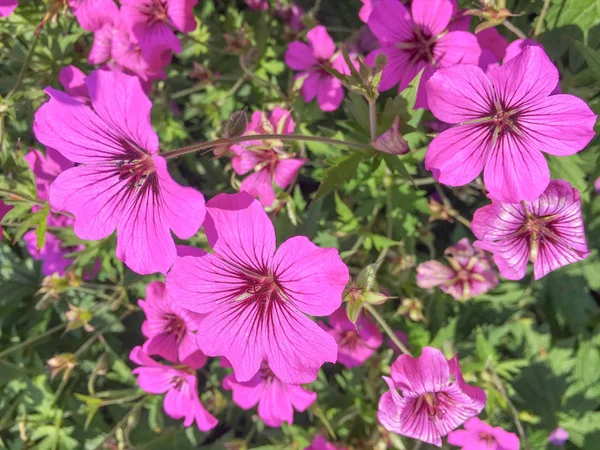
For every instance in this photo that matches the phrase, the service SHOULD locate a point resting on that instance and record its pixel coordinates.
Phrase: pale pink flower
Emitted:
(7, 7)
(120, 182)
(503, 123)
(92, 14)
(356, 343)
(170, 329)
(478, 435)
(548, 232)
(153, 21)
(469, 272)
(180, 385)
(309, 60)
(418, 40)
(269, 163)
(433, 400)
(321, 444)
(4, 208)
(276, 400)
(558, 437)
(256, 297)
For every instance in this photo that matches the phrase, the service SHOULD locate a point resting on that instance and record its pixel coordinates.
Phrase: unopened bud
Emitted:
(236, 126)
(391, 141)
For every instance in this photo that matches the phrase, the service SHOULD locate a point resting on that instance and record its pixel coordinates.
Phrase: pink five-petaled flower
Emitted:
(434, 398)
(548, 232)
(179, 382)
(502, 121)
(478, 435)
(309, 60)
(255, 297)
(276, 400)
(558, 437)
(152, 22)
(321, 444)
(267, 158)
(169, 328)
(92, 14)
(418, 40)
(356, 343)
(469, 274)
(7, 7)
(120, 182)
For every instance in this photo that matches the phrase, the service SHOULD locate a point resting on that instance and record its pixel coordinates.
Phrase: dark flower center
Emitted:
(349, 339)
(503, 122)
(177, 382)
(488, 438)
(138, 172)
(155, 10)
(420, 47)
(434, 404)
(175, 325)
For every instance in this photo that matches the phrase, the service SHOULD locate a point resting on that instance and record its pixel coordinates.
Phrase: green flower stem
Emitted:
(32, 339)
(541, 17)
(388, 330)
(132, 412)
(514, 29)
(373, 121)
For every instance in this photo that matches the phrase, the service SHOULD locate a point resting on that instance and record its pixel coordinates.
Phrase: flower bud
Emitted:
(236, 125)
(391, 141)
(59, 363)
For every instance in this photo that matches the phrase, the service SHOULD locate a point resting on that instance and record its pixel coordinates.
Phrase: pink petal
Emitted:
(7, 7)
(330, 93)
(516, 47)
(46, 168)
(52, 254)
(312, 278)
(154, 380)
(181, 14)
(92, 14)
(398, 70)
(286, 170)
(282, 120)
(190, 353)
(490, 39)
(259, 185)
(245, 160)
(310, 86)
(390, 22)
(299, 56)
(321, 43)
(457, 47)
(433, 273)
(163, 344)
(432, 16)
(301, 398)
(417, 376)
(73, 81)
(275, 406)
(177, 403)
(101, 50)
(246, 395)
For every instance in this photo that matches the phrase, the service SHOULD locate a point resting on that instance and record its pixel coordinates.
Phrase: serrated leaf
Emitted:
(337, 175)
(395, 164)
(592, 57)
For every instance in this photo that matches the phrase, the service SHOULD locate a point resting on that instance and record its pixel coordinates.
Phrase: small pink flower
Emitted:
(153, 21)
(170, 329)
(266, 158)
(276, 400)
(468, 274)
(4, 208)
(418, 40)
(321, 444)
(291, 14)
(7, 7)
(479, 435)
(502, 124)
(258, 5)
(256, 298)
(180, 385)
(548, 232)
(92, 14)
(356, 343)
(433, 400)
(309, 60)
(120, 181)
(558, 437)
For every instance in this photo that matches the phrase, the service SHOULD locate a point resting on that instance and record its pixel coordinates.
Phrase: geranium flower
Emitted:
(309, 60)
(267, 158)
(180, 385)
(7, 7)
(120, 182)
(356, 343)
(152, 22)
(469, 272)
(92, 14)
(321, 444)
(479, 435)
(4, 208)
(493, 48)
(503, 123)
(433, 400)
(417, 40)
(255, 297)
(558, 437)
(276, 400)
(169, 329)
(548, 232)
(72, 80)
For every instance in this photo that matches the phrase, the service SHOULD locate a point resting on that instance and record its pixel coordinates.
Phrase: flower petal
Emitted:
(321, 43)
(417, 376)
(433, 273)
(181, 14)
(432, 16)
(275, 406)
(299, 56)
(330, 93)
(286, 170)
(390, 22)
(259, 185)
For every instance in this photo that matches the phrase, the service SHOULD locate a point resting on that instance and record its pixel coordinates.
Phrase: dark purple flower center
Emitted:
(420, 47)
(155, 10)
(350, 339)
(175, 325)
(177, 382)
(487, 438)
(139, 172)
(434, 404)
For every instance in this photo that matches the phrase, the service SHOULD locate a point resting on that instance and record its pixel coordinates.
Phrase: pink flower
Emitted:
(367, 9)
(267, 158)
(309, 60)
(493, 48)
(92, 14)
(434, 398)
(255, 297)
(516, 47)
(152, 22)
(7, 7)
(418, 40)
(502, 121)
(356, 343)
(180, 385)
(478, 435)
(259, 5)
(597, 185)
(73, 81)
(276, 400)
(169, 328)
(548, 232)
(321, 444)
(468, 274)
(291, 14)
(4, 208)
(120, 182)
(558, 437)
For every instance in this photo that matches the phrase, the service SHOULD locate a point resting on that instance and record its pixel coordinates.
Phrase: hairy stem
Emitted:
(541, 17)
(514, 29)
(388, 330)
(33, 339)
(373, 120)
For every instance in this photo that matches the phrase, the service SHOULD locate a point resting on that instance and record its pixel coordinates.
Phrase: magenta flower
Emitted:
(92, 14)
(367, 8)
(548, 232)
(152, 22)
(501, 124)
(516, 47)
(258, 5)
(7, 7)
(469, 272)
(180, 385)
(73, 81)
(321, 444)
(434, 398)
(558, 437)
(479, 435)
(418, 40)
(4, 208)
(169, 328)
(493, 48)
(309, 60)
(276, 400)
(356, 343)
(267, 158)
(255, 297)
(120, 182)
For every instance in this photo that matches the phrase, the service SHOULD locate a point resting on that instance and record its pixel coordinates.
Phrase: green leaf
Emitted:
(339, 174)
(18, 279)
(395, 164)
(410, 95)
(592, 58)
